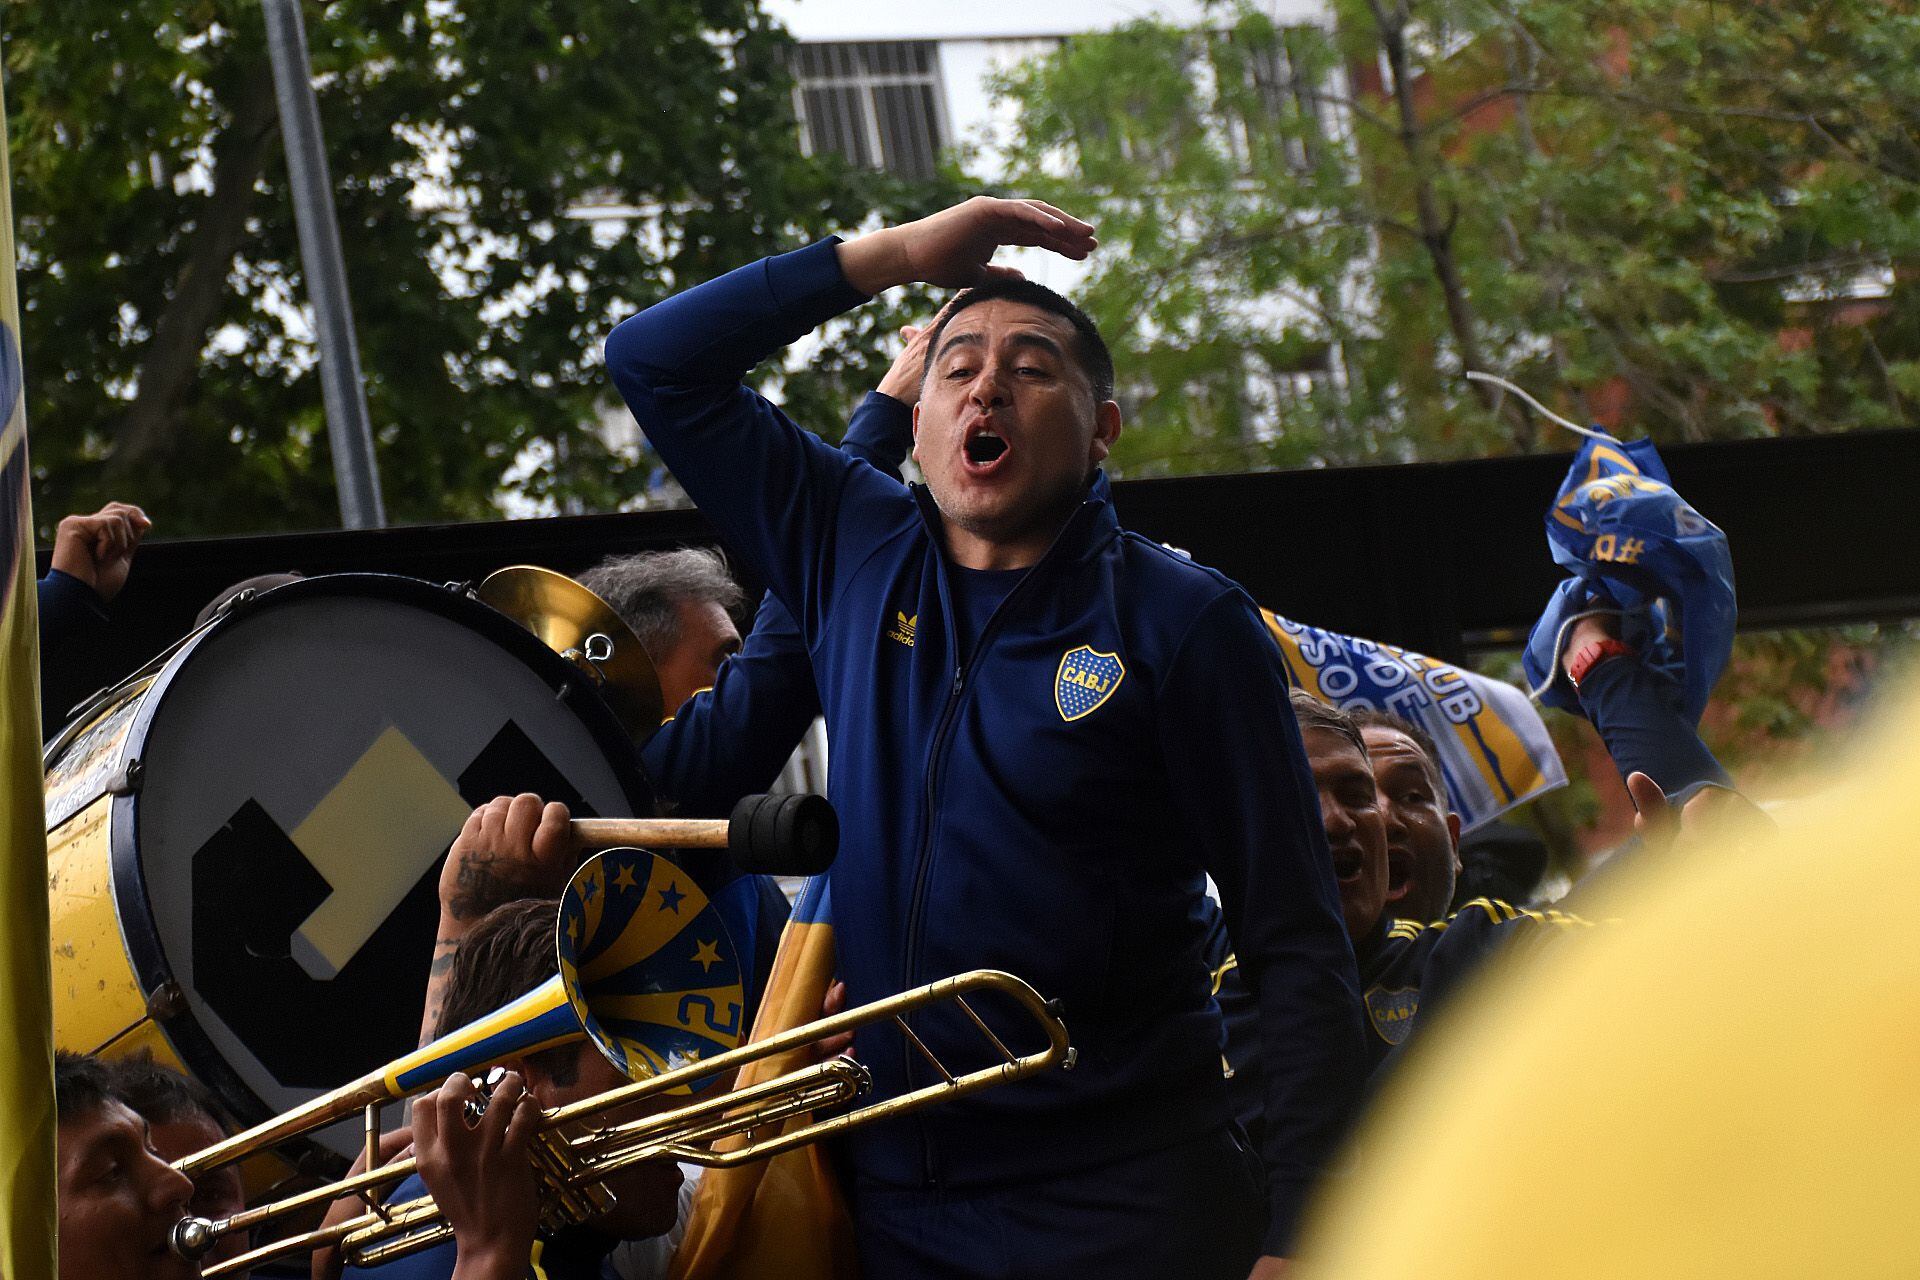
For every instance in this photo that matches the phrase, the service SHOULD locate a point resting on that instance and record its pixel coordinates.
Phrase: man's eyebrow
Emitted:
(970, 338)
(1025, 338)
(1028, 338)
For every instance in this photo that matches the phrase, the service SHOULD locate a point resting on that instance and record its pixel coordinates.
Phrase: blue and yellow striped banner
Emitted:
(1494, 749)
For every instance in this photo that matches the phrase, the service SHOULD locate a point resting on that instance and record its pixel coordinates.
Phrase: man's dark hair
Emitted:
(509, 953)
(1089, 347)
(1315, 714)
(82, 1084)
(646, 588)
(1374, 718)
(162, 1095)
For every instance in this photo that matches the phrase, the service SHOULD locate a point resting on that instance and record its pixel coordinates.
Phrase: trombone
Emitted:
(581, 1145)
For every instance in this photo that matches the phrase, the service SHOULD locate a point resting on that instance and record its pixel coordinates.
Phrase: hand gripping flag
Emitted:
(1635, 548)
(26, 1009)
(781, 1217)
(1494, 749)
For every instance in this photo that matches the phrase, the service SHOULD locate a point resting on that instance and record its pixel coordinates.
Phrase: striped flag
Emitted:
(785, 1216)
(28, 1218)
(1494, 748)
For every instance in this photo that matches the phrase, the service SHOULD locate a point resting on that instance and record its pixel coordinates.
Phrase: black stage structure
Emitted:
(1446, 558)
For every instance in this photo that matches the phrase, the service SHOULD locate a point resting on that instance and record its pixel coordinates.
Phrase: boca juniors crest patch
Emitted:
(1392, 1011)
(1085, 680)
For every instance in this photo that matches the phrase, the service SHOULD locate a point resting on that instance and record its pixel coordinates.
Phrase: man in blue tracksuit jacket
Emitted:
(1044, 732)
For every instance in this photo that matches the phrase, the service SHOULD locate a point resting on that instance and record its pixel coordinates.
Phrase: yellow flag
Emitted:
(1721, 1086)
(781, 1217)
(26, 1012)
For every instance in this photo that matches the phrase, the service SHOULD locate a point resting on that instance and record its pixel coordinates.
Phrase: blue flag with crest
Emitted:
(1634, 547)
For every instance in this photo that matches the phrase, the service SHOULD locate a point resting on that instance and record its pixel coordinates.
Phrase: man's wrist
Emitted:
(1588, 656)
(77, 565)
(873, 263)
(490, 1260)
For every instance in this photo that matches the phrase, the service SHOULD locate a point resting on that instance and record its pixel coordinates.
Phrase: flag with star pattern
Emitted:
(785, 1216)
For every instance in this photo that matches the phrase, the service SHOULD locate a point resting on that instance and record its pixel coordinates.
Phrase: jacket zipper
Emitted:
(936, 762)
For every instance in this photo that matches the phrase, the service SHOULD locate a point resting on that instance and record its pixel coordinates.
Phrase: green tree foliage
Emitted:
(167, 348)
(1658, 211)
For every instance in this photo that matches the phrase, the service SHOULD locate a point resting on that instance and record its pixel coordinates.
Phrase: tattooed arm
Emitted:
(512, 847)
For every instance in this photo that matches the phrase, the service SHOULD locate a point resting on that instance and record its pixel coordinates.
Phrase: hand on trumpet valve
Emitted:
(484, 1087)
(479, 1171)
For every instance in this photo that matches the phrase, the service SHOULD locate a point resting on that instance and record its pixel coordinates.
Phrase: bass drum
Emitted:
(245, 846)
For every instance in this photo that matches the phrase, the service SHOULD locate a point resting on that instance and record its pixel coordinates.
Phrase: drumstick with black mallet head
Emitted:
(785, 835)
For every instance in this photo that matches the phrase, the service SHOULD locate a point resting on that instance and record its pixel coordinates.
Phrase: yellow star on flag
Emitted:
(707, 956)
(623, 878)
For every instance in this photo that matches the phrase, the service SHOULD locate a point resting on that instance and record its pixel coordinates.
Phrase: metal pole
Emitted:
(340, 382)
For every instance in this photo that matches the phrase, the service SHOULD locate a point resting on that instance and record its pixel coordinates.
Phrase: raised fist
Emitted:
(511, 847)
(98, 549)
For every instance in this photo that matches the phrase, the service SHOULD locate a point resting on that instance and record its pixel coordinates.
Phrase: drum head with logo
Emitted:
(303, 767)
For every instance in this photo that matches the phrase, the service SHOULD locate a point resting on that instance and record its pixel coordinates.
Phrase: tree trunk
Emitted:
(172, 359)
(1436, 230)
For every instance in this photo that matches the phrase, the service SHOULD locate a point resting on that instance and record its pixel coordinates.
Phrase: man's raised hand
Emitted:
(954, 248)
(511, 847)
(98, 549)
(903, 377)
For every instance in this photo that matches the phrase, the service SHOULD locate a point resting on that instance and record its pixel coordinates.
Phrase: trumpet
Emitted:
(580, 1146)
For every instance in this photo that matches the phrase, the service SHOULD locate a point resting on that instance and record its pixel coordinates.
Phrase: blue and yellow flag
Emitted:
(785, 1216)
(1494, 749)
(1634, 547)
(26, 1004)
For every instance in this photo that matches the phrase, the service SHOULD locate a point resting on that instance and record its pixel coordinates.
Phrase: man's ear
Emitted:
(1453, 832)
(916, 431)
(1106, 429)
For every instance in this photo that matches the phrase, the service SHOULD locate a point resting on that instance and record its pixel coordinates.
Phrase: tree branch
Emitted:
(172, 359)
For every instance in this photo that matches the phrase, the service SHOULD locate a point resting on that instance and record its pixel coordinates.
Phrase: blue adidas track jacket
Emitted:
(1049, 804)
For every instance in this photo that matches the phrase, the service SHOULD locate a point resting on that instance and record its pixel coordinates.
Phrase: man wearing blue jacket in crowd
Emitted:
(1044, 732)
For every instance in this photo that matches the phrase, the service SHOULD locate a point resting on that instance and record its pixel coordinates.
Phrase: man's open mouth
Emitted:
(983, 448)
(1399, 875)
(1347, 865)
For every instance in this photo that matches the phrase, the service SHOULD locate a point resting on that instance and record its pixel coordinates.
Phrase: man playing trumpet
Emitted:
(478, 1171)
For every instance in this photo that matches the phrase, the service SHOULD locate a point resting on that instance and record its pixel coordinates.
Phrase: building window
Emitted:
(876, 103)
(1287, 107)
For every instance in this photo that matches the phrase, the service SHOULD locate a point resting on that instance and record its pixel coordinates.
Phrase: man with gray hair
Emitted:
(681, 604)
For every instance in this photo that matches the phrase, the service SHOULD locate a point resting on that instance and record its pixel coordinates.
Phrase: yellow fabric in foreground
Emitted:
(782, 1217)
(1726, 1084)
(27, 1215)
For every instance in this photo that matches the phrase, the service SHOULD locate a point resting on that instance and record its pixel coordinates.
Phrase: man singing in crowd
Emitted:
(1045, 732)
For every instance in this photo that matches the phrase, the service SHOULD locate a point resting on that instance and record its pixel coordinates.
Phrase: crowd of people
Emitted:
(1058, 748)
